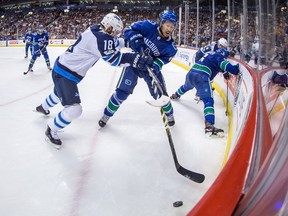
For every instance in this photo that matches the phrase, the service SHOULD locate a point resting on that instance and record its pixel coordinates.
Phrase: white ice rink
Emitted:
(124, 169)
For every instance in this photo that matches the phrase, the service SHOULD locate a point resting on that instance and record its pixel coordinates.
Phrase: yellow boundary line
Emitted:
(230, 122)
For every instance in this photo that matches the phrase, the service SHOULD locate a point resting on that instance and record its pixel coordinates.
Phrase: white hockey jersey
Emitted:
(92, 45)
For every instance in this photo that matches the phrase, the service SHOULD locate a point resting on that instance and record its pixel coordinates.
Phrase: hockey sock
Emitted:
(209, 110)
(65, 117)
(31, 63)
(114, 102)
(47, 62)
(50, 101)
(168, 109)
(181, 91)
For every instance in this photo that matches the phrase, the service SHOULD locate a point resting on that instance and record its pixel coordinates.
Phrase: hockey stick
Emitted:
(159, 102)
(226, 112)
(40, 50)
(238, 85)
(193, 176)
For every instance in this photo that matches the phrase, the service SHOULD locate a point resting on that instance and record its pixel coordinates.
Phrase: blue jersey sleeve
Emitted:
(227, 66)
(140, 27)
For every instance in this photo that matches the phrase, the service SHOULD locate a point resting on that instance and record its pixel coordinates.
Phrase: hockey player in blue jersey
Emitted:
(40, 42)
(97, 42)
(221, 43)
(28, 42)
(200, 76)
(155, 39)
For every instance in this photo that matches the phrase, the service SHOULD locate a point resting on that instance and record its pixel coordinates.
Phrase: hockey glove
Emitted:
(136, 43)
(237, 67)
(141, 61)
(40, 44)
(226, 75)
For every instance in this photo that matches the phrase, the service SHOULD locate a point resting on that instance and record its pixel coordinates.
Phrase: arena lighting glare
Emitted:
(115, 9)
(30, 13)
(66, 10)
(2, 16)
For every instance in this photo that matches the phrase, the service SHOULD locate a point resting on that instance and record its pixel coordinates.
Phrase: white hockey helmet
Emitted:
(223, 42)
(113, 20)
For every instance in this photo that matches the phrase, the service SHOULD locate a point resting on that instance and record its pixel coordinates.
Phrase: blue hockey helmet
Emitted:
(223, 52)
(169, 16)
(40, 26)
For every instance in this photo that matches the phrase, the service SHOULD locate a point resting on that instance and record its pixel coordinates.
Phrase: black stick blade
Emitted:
(193, 176)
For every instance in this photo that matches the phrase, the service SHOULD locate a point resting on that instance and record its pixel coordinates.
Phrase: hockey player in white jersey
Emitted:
(214, 46)
(97, 42)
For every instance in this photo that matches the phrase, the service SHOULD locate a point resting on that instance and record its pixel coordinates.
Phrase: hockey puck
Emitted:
(177, 203)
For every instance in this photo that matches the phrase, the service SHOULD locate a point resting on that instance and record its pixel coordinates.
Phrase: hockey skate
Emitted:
(175, 96)
(40, 109)
(213, 131)
(26, 56)
(29, 70)
(197, 98)
(53, 138)
(102, 122)
(171, 120)
(49, 67)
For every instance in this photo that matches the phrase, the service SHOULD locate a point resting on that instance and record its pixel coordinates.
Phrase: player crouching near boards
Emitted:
(199, 77)
(97, 42)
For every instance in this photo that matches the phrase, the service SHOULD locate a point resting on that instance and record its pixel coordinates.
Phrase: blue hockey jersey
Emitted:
(28, 38)
(212, 63)
(40, 39)
(206, 49)
(160, 49)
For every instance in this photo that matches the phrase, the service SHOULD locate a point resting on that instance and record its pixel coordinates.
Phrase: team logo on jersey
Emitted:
(108, 52)
(128, 82)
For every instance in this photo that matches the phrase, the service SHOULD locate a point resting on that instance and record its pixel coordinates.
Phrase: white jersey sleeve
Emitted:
(82, 55)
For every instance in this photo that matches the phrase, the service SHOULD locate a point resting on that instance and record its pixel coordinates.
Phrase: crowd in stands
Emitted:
(68, 25)
(64, 25)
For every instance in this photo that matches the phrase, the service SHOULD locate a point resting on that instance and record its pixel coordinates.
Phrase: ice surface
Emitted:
(124, 169)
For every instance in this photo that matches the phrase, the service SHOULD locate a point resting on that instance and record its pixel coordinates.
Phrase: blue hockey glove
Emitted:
(45, 43)
(248, 57)
(136, 43)
(142, 61)
(237, 67)
(226, 75)
(40, 44)
(156, 69)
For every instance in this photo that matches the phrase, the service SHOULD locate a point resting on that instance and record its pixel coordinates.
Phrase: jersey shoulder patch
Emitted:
(152, 22)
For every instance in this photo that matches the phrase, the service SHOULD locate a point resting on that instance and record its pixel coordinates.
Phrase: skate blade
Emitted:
(52, 144)
(214, 135)
(44, 116)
